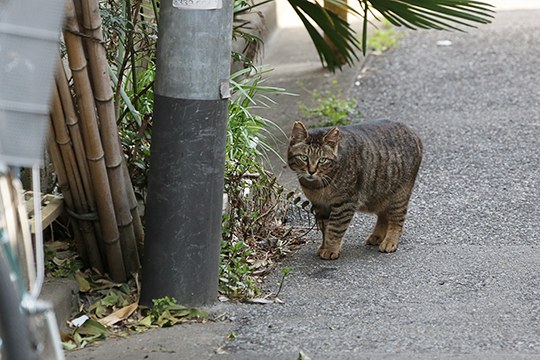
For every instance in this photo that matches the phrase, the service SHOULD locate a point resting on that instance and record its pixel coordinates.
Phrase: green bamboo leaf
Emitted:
(69, 345)
(92, 329)
(196, 313)
(77, 339)
(84, 285)
(167, 319)
(147, 321)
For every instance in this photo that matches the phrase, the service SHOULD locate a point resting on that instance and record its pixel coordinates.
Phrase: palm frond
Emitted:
(338, 31)
(433, 14)
(413, 14)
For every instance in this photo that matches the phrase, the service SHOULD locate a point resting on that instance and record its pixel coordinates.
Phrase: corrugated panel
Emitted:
(29, 36)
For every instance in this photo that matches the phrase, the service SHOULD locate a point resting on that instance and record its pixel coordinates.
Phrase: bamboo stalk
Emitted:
(73, 179)
(93, 146)
(61, 177)
(72, 121)
(114, 157)
(134, 208)
(64, 143)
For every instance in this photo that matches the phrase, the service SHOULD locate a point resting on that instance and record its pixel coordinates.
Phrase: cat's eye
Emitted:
(323, 161)
(303, 157)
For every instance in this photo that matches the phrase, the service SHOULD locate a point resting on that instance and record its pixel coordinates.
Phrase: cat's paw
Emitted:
(373, 239)
(328, 254)
(388, 246)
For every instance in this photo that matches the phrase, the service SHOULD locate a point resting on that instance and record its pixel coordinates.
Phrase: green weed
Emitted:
(330, 107)
(284, 272)
(253, 219)
(383, 38)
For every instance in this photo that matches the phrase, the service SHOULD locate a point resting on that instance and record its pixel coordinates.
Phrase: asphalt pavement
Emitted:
(465, 281)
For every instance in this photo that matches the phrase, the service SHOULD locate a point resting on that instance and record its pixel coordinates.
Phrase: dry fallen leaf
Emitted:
(262, 301)
(118, 315)
(221, 350)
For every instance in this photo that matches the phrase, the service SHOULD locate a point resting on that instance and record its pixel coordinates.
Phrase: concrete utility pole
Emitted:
(185, 189)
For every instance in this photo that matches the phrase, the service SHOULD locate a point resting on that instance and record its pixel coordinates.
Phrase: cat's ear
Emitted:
(332, 137)
(299, 132)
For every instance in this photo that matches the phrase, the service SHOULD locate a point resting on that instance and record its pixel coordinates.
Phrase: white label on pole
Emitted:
(198, 4)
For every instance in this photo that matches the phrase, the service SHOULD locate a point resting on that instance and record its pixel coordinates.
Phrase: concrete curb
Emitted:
(64, 295)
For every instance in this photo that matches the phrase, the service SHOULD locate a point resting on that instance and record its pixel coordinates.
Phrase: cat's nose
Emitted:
(311, 167)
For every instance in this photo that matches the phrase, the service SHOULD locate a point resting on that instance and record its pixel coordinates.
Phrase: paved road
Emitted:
(465, 282)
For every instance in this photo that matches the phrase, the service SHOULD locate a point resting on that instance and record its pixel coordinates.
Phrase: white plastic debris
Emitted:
(444, 43)
(77, 322)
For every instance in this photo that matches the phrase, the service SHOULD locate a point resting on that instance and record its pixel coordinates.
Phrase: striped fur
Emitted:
(370, 167)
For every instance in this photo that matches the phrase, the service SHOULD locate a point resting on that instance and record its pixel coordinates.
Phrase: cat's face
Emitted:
(313, 157)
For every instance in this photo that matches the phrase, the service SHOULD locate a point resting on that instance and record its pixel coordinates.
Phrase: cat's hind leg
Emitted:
(395, 214)
(379, 231)
(396, 219)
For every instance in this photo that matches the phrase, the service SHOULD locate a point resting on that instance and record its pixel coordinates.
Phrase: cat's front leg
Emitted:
(322, 223)
(334, 230)
(321, 218)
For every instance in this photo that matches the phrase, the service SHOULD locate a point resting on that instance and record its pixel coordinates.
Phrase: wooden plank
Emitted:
(51, 208)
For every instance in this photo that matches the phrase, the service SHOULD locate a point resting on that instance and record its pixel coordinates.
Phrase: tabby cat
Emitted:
(370, 167)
